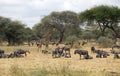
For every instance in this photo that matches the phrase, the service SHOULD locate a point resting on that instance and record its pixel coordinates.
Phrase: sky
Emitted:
(30, 12)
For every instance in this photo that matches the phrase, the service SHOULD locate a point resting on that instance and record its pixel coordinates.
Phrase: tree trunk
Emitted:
(115, 31)
(103, 31)
(9, 42)
(72, 44)
(61, 36)
(102, 28)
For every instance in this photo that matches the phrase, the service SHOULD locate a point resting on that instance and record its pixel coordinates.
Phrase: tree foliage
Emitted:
(60, 20)
(4, 22)
(15, 33)
(66, 25)
(104, 16)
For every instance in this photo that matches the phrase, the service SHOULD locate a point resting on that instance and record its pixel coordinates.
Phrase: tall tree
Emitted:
(59, 21)
(104, 16)
(29, 35)
(39, 30)
(15, 33)
(4, 22)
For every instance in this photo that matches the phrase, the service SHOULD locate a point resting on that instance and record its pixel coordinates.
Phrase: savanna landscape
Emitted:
(63, 43)
(38, 64)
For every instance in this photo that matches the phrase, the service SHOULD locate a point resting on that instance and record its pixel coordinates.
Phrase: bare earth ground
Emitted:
(35, 60)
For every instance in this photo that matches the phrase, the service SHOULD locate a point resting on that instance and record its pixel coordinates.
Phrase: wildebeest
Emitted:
(101, 54)
(66, 49)
(2, 51)
(81, 52)
(116, 54)
(57, 43)
(93, 50)
(37, 43)
(87, 57)
(67, 55)
(58, 52)
(20, 52)
(78, 43)
(53, 43)
(55, 54)
(84, 42)
(115, 46)
(45, 52)
(12, 55)
(68, 43)
(4, 56)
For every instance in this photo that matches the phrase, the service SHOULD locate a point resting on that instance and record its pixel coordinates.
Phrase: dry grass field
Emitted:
(38, 64)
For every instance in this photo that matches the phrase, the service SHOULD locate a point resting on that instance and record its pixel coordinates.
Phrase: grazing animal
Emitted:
(84, 42)
(57, 44)
(67, 55)
(78, 43)
(45, 52)
(87, 57)
(105, 55)
(12, 55)
(101, 54)
(116, 54)
(98, 56)
(53, 43)
(37, 43)
(4, 55)
(55, 54)
(58, 52)
(66, 43)
(2, 51)
(20, 52)
(93, 49)
(81, 52)
(66, 49)
(115, 46)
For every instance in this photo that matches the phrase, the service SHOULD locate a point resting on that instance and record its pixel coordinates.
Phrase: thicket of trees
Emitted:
(66, 25)
(14, 32)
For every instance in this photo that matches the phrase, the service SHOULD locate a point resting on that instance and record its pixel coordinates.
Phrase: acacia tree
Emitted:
(29, 35)
(39, 30)
(15, 33)
(59, 21)
(4, 22)
(105, 17)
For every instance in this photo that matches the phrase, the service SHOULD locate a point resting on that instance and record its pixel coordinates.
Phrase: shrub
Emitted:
(105, 42)
(72, 38)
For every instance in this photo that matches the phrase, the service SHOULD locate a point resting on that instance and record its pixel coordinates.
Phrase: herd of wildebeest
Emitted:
(64, 51)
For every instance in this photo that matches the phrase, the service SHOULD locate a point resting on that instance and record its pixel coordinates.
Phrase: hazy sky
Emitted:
(30, 12)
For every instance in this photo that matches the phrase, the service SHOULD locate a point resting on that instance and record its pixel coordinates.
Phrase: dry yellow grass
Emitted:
(36, 60)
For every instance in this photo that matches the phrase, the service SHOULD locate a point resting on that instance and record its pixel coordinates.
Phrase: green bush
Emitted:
(72, 38)
(105, 42)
